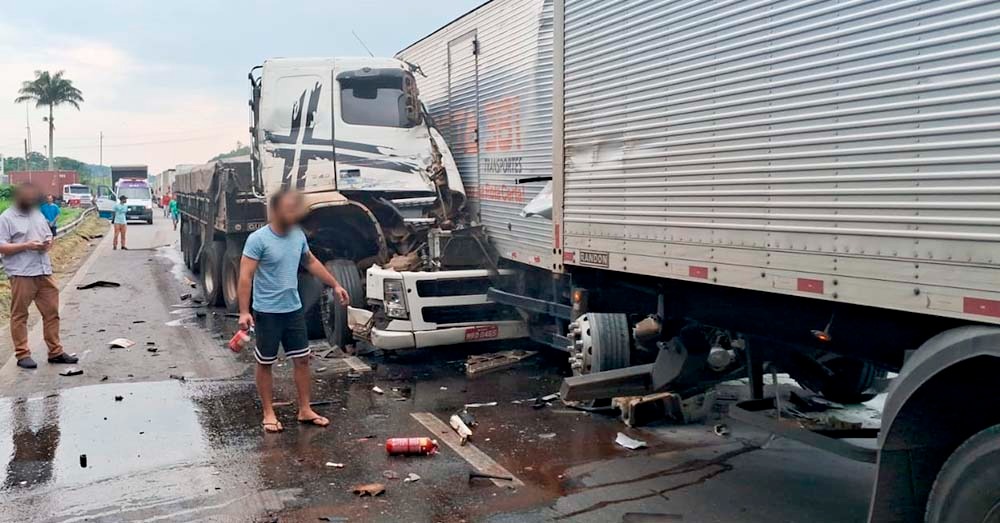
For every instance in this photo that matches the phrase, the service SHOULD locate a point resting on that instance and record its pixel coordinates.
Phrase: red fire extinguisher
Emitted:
(410, 446)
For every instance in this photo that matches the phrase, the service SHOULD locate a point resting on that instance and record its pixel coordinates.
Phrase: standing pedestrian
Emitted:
(175, 212)
(25, 240)
(51, 213)
(270, 264)
(120, 222)
(165, 203)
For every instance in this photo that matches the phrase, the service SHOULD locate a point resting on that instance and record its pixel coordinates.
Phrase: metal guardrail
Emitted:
(68, 228)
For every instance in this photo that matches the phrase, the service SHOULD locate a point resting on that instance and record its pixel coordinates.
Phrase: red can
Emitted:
(239, 340)
(410, 446)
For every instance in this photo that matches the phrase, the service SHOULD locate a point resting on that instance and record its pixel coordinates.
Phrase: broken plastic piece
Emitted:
(369, 489)
(411, 477)
(390, 474)
(377, 390)
(121, 343)
(721, 430)
(460, 428)
(334, 465)
(629, 443)
(72, 371)
(477, 405)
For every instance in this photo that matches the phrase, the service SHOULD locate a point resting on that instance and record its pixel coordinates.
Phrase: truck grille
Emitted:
(453, 287)
(483, 312)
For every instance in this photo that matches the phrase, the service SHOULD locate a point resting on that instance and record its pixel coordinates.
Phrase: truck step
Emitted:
(420, 222)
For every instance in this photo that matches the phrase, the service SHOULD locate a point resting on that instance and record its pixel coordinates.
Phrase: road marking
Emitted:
(475, 457)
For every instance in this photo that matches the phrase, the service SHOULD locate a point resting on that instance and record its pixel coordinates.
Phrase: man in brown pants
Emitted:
(25, 240)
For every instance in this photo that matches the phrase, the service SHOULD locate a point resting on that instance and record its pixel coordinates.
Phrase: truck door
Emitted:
(463, 110)
(105, 201)
(296, 129)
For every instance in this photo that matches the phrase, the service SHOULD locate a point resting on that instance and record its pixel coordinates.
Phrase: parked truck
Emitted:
(51, 183)
(383, 194)
(713, 187)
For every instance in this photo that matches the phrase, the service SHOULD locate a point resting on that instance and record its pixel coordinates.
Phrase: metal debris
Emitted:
(629, 443)
(482, 363)
(369, 489)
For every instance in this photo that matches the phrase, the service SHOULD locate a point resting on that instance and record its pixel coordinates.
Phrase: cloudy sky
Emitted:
(166, 80)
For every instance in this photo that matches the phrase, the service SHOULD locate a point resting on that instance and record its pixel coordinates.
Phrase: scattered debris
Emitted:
(460, 428)
(321, 369)
(119, 398)
(547, 435)
(629, 443)
(72, 371)
(411, 477)
(370, 489)
(121, 343)
(151, 349)
(200, 314)
(98, 283)
(478, 405)
(138, 321)
(334, 519)
(444, 388)
(377, 390)
(644, 517)
(721, 430)
(190, 283)
(104, 378)
(334, 465)
(177, 377)
(390, 474)
(186, 296)
(482, 363)
(467, 418)
(83, 460)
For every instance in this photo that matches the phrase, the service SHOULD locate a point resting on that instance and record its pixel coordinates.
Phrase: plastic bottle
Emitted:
(240, 340)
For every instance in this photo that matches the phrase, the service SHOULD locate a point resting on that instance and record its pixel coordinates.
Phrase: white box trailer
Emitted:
(810, 184)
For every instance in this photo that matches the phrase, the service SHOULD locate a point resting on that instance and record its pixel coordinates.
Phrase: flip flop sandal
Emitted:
(277, 427)
(312, 421)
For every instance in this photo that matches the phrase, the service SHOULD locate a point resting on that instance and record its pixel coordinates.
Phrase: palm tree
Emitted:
(51, 90)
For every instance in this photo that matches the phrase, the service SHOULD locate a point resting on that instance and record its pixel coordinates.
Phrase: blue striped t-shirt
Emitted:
(275, 284)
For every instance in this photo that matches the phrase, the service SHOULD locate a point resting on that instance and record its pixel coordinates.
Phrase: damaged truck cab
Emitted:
(384, 196)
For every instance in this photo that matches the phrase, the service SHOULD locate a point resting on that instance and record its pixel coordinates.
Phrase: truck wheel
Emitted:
(211, 272)
(600, 343)
(852, 380)
(310, 292)
(338, 334)
(966, 487)
(231, 280)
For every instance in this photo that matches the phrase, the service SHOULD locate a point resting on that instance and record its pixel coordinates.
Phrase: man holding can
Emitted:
(270, 264)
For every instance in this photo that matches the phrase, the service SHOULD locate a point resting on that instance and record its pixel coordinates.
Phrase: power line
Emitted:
(135, 144)
(61, 138)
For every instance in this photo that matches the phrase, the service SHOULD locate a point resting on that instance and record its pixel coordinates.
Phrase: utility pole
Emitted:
(102, 149)
(27, 141)
(27, 164)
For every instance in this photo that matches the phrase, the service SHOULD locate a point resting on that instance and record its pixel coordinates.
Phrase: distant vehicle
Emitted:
(139, 199)
(132, 172)
(77, 195)
(49, 182)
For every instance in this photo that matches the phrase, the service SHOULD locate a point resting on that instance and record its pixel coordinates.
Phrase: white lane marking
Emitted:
(475, 457)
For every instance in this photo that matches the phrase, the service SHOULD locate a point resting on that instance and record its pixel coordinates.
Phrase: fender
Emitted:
(942, 396)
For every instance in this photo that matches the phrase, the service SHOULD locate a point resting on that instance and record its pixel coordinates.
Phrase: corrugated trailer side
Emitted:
(488, 85)
(846, 151)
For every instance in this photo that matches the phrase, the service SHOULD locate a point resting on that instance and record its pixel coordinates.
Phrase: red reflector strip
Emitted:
(569, 256)
(698, 272)
(556, 240)
(807, 285)
(982, 307)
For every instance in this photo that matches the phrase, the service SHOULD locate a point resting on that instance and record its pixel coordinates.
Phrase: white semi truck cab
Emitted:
(385, 200)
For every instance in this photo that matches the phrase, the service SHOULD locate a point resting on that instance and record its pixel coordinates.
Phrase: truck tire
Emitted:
(852, 381)
(310, 292)
(211, 272)
(338, 334)
(967, 488)
(231, 279)
(601, 342)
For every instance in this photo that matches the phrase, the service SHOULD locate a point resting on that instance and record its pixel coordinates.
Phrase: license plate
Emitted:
(482, 332)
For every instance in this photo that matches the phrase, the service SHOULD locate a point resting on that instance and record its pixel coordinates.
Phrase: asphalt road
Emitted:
(192, 449)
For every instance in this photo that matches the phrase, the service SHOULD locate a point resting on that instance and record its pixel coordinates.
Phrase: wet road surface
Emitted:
(192, 449)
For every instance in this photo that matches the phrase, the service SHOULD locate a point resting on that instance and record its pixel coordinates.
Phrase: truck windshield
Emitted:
(374, 100)
(79, 189)
(134, 193)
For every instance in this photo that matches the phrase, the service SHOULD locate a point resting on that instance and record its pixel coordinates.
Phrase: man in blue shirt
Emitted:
(51, 213)
(271, 259)
(120, 222)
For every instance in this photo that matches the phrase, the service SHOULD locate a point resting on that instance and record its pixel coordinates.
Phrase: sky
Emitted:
(166, 81)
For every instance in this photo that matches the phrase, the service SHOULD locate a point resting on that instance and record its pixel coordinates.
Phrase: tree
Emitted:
(51, 90)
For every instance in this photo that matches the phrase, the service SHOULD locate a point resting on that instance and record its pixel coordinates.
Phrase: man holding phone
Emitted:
(25, 240)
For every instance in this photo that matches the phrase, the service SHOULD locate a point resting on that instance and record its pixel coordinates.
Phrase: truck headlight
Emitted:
(395, 299)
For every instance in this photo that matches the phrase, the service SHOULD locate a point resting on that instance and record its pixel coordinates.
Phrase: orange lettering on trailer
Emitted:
(502, 120)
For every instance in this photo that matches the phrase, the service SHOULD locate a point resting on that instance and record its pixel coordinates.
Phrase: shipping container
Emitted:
(49, 182)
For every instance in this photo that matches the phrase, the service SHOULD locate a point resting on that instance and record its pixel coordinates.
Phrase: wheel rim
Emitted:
(994, 514)
(229, 284)
(209, 276)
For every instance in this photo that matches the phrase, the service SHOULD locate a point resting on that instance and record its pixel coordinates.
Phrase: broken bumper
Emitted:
(360, 323)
